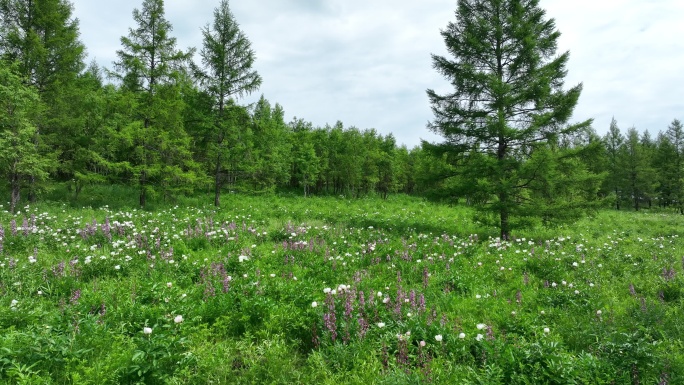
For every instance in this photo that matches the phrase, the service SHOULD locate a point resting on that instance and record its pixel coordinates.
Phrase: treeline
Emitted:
(166, 125)
(642, 171)
(163, 123)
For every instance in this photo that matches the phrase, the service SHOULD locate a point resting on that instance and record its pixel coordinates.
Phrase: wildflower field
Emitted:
(287, 290)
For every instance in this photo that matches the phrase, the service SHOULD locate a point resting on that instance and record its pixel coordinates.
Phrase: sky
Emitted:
(367, 63)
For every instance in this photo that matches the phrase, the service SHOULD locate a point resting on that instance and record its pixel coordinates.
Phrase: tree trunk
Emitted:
(143, 190)
(503, 217)
(217, 182)
(16, 192)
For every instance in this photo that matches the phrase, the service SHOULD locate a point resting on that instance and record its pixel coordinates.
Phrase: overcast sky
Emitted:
(367, 62)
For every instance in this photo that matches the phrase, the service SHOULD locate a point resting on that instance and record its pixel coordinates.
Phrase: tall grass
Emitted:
(283, 289)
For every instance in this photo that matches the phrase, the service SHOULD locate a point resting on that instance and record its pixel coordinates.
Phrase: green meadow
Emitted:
(328, 290)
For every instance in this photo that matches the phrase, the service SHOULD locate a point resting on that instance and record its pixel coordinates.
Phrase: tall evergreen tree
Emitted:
(615, 179)
(269, 157)
(42, 38)
(152, 71)
(20, 158)
(637, 167)
(227, 60)
(508, 98)
(674, 172)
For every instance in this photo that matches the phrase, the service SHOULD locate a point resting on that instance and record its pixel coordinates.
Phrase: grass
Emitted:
(327, 290)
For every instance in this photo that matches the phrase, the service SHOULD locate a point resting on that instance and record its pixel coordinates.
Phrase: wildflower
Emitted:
(314, 304)
(479, 337)
(178, 319)
(169, 284)
(381, 324)
(117, 267)
(547, 330)
(422, 343)
(147, 330)
(385, 300)
(327, 290)
(478, 296)
(599, 312)
(14, 303)
(461, 335)
(481, 326)
(438, 338)
(379, 294)
(272, 275)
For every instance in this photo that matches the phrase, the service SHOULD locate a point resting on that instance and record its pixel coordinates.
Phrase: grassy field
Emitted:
(286, 290)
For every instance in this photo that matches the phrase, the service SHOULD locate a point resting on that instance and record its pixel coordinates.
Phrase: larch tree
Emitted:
(674, 169)
(507, 102)
(41, 38)
(20, 161)
(152, 72)
(226, 73)
(614, 183)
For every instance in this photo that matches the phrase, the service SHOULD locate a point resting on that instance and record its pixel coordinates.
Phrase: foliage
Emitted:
(152, 71)
(20, 157)
(328, 290)
(507, 104)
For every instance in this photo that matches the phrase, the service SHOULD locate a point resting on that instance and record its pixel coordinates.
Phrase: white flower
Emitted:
(14, 303)
(438, 338)
(272, 275)
(117, 267)
(478, 296)
(575, 264)
(147, 330)
(481, 326)
(243, 258)
(385, 300)
(513, 312)
(381, 324)
(547, 330)
(379, 294)
(178, 319)
(542, 312)
(40, 292)
(599, 312)
(422, 343)
(479, 337)
(169, 284)
(327, 290)
(314, 304)
(461, 335)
